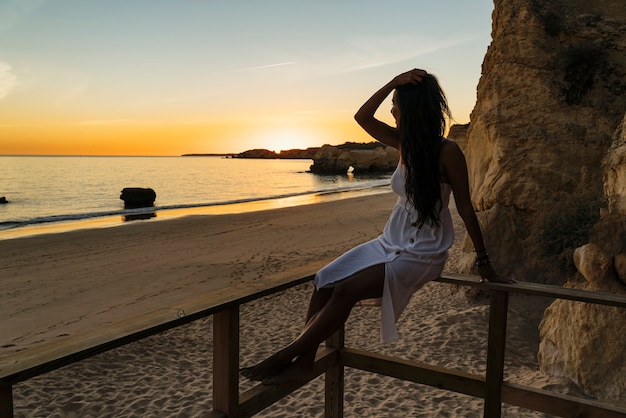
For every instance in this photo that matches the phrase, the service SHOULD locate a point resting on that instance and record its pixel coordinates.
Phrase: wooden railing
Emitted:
(331, 360)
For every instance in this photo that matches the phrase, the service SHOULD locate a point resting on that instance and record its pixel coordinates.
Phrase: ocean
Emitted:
(57, 193)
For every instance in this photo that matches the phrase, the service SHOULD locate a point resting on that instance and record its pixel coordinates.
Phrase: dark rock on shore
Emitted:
(138, 197)
(3, 200)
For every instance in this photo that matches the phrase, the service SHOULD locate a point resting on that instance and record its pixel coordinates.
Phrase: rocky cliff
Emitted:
(548, 172)
(585, 342)
(458, 133)
(551, 94)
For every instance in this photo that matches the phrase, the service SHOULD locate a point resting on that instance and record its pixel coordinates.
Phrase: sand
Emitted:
(61, 284)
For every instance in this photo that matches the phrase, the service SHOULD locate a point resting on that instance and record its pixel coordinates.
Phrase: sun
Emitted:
(286, 139)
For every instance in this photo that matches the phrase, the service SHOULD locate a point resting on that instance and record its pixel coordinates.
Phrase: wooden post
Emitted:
(226, 361)
(334, 378)
(498, 309)
(6, 401)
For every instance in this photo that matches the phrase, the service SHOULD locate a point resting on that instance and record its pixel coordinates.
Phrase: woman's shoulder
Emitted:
(450, 153)
(449, 146)
(445, 141)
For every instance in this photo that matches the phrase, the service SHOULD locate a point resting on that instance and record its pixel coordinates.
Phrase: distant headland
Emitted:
(308, 153)
(369, 157)
(355, 157)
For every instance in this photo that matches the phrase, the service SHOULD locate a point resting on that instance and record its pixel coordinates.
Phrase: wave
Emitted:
(138, 212)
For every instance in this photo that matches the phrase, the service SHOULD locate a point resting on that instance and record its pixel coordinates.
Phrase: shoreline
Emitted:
(58, 283)
(108, 221)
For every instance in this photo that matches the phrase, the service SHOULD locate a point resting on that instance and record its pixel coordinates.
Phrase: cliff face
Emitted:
(458, 133)
(541, 150)
(585, 342)
(552, 92)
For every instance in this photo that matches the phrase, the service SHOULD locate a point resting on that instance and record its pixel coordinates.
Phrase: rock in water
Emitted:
(138, 197)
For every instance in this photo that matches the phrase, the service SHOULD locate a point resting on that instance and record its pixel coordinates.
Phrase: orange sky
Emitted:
(146, 78)
(169, 137)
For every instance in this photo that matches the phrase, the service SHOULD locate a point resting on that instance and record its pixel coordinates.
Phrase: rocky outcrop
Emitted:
(258, 153)
(551, 94)
(586, 342)
(290, 154)
(300, 154)
(138, 197)
(336, 160)
(458, 133)
(615, 172)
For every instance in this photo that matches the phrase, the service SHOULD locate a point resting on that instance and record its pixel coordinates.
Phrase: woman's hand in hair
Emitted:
(413, 76)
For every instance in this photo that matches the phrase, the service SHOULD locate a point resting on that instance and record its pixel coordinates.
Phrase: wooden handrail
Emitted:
(537, 289)
(31, 362)
(224, 306)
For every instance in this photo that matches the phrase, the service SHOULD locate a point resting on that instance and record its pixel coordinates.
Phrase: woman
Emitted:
(414, 245)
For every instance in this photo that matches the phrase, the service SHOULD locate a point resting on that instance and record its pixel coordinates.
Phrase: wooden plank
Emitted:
(557, 404)
(334, 378)
(495, 353)
(226, 361)
(6, 401)
(537, 289)
(260, 396)
(439, 377)
(33, 361)
(43, 358)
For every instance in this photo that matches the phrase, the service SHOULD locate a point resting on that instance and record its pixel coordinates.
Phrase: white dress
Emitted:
(412, 256)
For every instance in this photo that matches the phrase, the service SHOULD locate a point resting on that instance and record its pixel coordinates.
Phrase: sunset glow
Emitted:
(168, 78)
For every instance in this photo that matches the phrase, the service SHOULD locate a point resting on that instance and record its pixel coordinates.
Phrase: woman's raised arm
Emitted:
(379, 130)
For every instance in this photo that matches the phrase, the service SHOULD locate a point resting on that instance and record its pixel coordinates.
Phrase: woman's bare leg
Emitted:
(318, 299)
(366, 284)
(317, 302)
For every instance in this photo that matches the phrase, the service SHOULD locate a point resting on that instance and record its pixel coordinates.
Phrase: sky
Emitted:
(169, 77)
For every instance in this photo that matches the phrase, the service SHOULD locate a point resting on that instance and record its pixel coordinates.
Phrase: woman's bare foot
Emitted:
(271, 366)
(292, 371)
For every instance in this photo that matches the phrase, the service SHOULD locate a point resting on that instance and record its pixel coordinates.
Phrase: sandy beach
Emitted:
(57, 285)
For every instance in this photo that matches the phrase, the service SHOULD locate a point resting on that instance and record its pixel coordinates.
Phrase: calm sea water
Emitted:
(44, 190)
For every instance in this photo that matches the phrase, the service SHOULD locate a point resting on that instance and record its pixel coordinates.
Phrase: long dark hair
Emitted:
(423, 111)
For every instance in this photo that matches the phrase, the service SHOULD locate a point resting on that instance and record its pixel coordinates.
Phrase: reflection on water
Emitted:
(139, 216)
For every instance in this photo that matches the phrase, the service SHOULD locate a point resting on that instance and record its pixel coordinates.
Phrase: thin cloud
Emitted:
(261, 67)
(12, 12)
(8, 80)
(375, 52)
